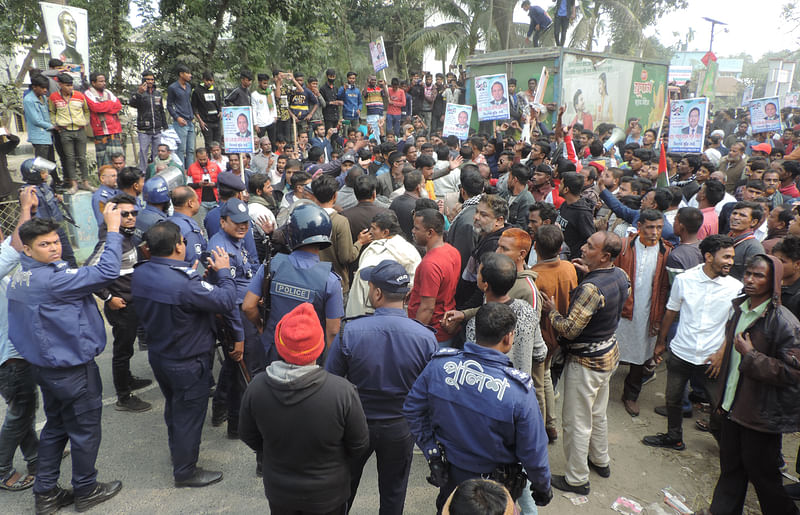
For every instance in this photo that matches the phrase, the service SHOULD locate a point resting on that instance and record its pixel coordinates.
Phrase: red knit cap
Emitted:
(598, 165)
(299, 337)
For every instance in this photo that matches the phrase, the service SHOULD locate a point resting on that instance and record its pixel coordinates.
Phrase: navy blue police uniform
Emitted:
(177, 309)
(382, 355)
(54, 323)
(231, 386)
(48, 208)
(482, 412)
(155, 191)
(99, 199)
(212, 220)
(196, 243)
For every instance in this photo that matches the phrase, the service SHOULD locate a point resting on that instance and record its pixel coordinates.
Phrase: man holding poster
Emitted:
(236, 123)
(687, 124)
(490, 93)
(764, 115)
(456, 121)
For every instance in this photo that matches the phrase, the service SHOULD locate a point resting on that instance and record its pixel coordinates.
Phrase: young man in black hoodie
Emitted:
(308, 423)
(575, 214)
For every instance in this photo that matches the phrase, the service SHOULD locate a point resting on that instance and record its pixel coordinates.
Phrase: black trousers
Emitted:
(633, 383)
(276, 509)
(679, 373)
(748, 455)
(212, 133)
(560, 24)
(393, 445)
(283, 130)
(123, 327)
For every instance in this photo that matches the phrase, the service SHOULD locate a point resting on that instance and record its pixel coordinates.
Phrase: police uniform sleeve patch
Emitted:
(207, 286)
(519, 376)
(445, 352)
(185, 269)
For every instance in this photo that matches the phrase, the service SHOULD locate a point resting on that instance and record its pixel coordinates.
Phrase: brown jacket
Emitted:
(555, 279)
(733, 172)
(768, 393)
(342, 251)
(658, 302)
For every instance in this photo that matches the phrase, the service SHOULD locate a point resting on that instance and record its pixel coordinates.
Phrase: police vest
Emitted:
(48, 204)
(292, 286)
(146, 219)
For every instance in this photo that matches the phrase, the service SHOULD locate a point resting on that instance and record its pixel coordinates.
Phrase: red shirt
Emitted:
(397, 100)
(710, 223)
(196, 172)
(436, 276)
(790, 191)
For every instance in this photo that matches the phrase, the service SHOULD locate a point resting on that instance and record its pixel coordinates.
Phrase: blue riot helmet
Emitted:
(31, 170)
(156, 191)
(308, 223)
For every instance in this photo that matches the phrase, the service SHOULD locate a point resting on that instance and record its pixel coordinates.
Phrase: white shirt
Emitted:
(264, 109)
(704, 305)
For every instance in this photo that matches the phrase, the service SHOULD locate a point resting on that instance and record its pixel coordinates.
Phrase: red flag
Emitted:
(663, 179)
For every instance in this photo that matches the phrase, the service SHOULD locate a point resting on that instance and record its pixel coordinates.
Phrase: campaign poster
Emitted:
(67, 31)
(237, 129)
(687, 124)
(765, 115)
(792, 99)
(596, 91)
(456, 121)
(747, 95)
(541, 86)
(378, 53)
(491, 96)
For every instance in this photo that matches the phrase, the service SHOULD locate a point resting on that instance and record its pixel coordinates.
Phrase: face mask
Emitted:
(331, 81)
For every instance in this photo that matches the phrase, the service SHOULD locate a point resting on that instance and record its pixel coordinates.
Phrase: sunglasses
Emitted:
(126, 214)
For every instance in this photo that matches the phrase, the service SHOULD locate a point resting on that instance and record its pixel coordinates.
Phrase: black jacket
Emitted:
(207, 104)
(309, 428)
(149, 106)
(577, 222)
(329, 93)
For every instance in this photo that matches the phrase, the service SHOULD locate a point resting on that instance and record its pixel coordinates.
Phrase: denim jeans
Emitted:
(393, 124)
(148, 148)
(186, 147)
(19, 391)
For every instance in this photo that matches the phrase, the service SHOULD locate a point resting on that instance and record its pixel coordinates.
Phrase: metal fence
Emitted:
(9, 215)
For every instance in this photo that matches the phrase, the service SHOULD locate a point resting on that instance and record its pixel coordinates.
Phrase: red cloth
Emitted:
(103, 114)
(790, 191)
(397, 100)
(195, 173)
(436, 276)
(710, 223)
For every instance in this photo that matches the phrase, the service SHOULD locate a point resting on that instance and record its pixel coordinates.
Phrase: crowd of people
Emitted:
(375, 285)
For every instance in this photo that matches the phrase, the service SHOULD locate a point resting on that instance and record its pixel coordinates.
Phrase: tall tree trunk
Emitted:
(116, 41)
(218, 21)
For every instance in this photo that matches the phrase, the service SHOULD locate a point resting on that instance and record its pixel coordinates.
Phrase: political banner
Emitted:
(679, 74)
(378, 53)
(67, 31)
(687, 124)
(792, 99)
(596, 92)
(764, 115)
(491, 95)
(541, 86)
(456, 121)
(237, 129)
(747, 95)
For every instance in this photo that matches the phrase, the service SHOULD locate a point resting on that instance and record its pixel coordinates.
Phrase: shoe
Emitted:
(552, 434)
(73, 187)
(704, 511)
(218, 416)
(200, 478)
(649, 379)
(560, 482)
(52, 501)
(601, 471)
(793, 491)
(662, 410)
(665, 441)
(631, 406)
(101, 493)
(137, 383)
(85, 186)
(132, 403)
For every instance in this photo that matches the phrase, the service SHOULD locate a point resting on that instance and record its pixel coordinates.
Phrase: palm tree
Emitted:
(462, 30)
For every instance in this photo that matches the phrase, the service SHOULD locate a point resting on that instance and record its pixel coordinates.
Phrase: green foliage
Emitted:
(10, 103)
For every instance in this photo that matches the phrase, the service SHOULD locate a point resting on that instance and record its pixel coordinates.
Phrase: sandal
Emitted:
(14, 481)
(701, 425)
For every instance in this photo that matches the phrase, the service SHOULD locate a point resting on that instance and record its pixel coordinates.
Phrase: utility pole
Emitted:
(713, 24)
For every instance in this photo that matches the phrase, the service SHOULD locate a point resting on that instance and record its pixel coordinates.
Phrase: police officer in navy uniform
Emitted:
(235, 222)
(474, 415)
(54, 323)
(177, 309)
(398, 347)
(186, 205)
(228, 186)
(299, 277)
(156, 195)
(35, 174)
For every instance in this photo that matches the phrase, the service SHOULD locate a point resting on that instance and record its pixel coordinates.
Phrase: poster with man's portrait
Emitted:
(792, 99)
(765, 115)
(456, 121)
(68, 35)
(377, 52)
(687, 124)
(491, 95)
(237, 129)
